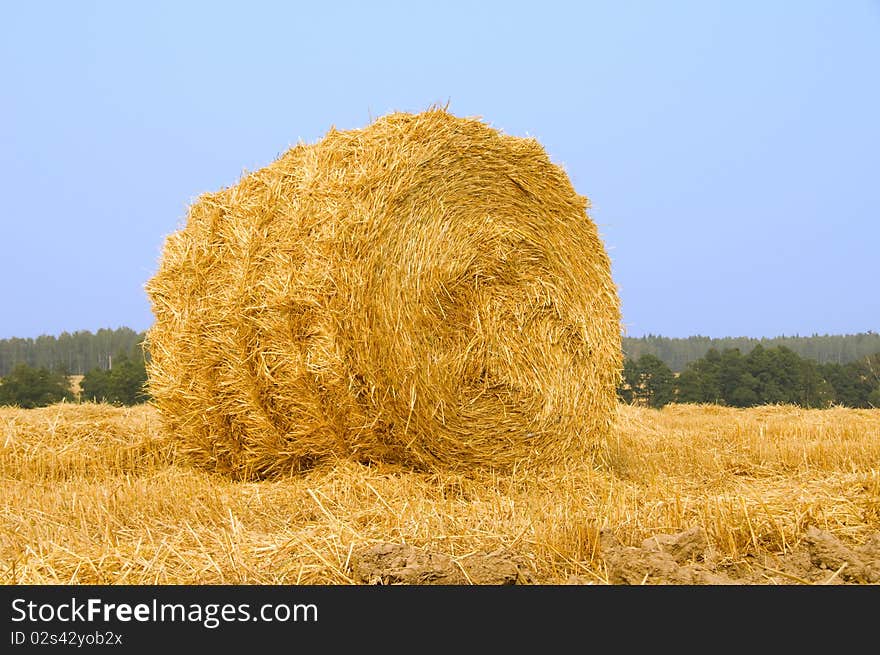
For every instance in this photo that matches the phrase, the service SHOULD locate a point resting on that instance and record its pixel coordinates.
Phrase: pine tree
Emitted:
(29, 387)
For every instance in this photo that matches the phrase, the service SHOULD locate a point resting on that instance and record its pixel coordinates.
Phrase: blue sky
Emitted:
(731, 150)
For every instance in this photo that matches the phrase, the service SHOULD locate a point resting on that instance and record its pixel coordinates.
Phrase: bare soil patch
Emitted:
(683, 558)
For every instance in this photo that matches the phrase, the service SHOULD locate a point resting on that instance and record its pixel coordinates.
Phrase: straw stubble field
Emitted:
(684, 495)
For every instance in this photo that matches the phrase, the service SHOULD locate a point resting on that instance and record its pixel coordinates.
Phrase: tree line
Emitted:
(825, 349)
(124, 383)
(81, 351)
(36, 372)
(763, 376)
(76, 353)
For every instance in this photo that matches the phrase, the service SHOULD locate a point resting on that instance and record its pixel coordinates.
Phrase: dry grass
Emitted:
(95, 494)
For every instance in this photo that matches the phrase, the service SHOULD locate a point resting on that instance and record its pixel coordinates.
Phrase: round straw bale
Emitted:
(426, 291)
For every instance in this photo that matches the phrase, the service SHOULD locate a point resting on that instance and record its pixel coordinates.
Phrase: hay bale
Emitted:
(425, 290)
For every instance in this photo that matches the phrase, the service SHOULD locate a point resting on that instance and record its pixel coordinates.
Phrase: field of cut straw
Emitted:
(683, 495)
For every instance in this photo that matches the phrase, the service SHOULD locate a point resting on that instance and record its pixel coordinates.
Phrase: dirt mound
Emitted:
(665, 559)
(687, 558)
(684, 558)
(860, 565)
(388, 564)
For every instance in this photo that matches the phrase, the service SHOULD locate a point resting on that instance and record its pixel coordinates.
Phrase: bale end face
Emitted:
(425, 290)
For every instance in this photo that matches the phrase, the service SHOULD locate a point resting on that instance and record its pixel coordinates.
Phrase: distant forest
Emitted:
(824, 349)
(79, 352)
(74, 353)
